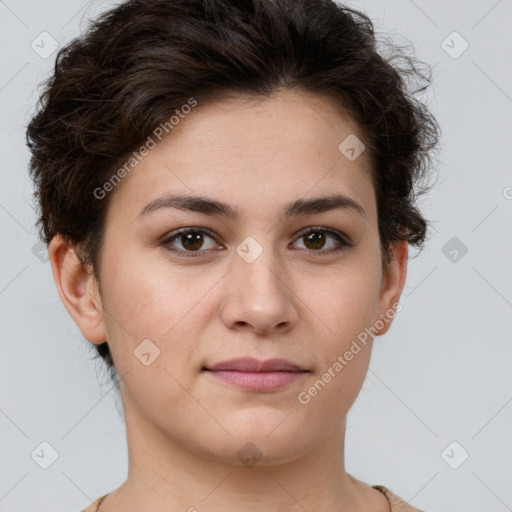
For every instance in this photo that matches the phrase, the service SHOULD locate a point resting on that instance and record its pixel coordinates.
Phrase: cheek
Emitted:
(344, 311)
(332, 392)
(345, 302)
(145, 302)
(345, 308)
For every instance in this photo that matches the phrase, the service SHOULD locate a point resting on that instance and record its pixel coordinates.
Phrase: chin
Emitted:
(251, 453)
(261, 445)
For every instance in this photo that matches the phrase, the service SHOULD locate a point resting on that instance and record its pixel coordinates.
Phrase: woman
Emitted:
(228, 194)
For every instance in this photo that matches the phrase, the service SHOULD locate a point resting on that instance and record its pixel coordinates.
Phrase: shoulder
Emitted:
(93, 507)
(396, 503)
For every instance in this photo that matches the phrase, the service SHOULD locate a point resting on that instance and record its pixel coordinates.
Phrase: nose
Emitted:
(257, 296)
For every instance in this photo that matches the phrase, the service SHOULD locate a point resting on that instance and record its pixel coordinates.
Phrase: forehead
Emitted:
(254, 151)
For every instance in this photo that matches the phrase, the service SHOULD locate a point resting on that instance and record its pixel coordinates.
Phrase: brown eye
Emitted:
(190, 240)
(315, 241)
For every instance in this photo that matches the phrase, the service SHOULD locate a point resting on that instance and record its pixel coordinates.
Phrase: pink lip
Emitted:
(249, 364)
(256, 375)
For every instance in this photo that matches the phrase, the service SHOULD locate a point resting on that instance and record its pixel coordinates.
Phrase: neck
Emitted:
(166, 475)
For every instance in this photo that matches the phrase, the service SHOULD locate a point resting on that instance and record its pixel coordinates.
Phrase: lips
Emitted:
(257, 376)
(248, 364)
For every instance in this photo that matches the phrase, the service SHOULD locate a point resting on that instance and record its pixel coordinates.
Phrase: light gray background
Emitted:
(441, 374)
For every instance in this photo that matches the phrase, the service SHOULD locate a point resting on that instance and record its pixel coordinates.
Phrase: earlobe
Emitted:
(393, 281)
(78, 289)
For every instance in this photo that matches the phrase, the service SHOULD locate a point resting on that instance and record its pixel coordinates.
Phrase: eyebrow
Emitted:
(212, 207)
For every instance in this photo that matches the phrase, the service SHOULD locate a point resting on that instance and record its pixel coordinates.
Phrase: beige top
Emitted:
(396, 504)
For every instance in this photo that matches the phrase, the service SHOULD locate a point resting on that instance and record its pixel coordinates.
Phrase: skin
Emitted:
(185, 427)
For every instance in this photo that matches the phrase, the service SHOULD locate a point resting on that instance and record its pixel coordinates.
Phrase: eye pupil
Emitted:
(317, 238)
(195, 238)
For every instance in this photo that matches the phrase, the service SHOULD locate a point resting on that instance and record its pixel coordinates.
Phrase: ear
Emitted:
(393, 281)
(78, 289)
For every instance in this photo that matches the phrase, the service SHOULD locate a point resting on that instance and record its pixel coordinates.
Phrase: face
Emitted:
(255, 278)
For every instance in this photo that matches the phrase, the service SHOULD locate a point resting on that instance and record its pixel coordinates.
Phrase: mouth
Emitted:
(255, 375)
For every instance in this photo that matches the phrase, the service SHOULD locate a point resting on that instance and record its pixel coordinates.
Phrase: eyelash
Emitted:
(343, 241)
